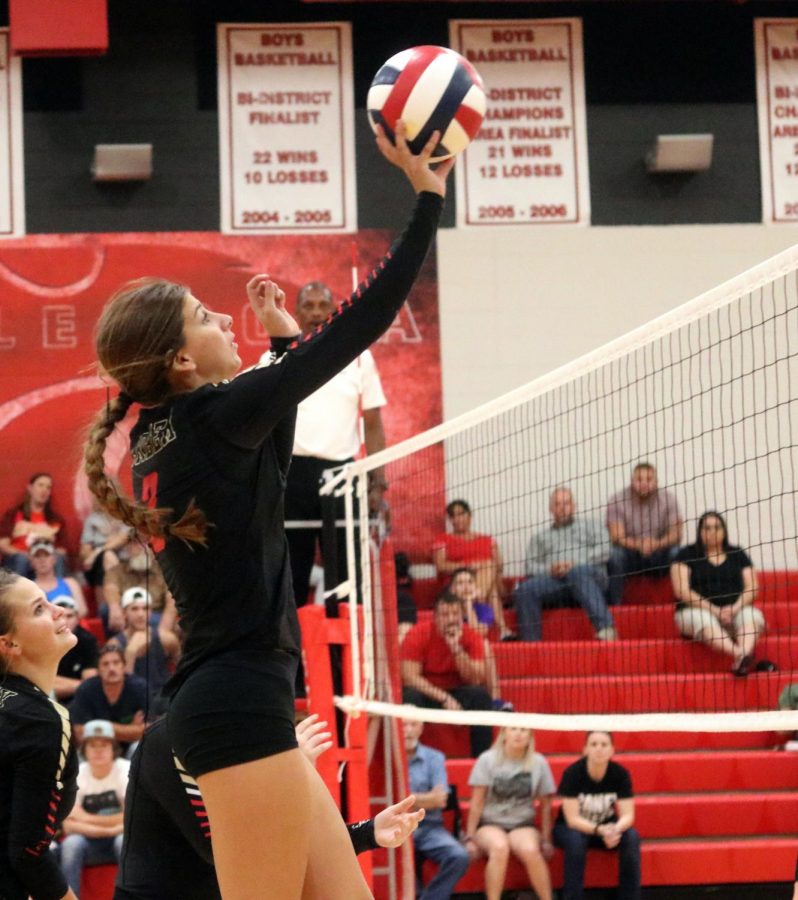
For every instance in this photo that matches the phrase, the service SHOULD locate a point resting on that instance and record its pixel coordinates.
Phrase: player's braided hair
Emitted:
(138, 335)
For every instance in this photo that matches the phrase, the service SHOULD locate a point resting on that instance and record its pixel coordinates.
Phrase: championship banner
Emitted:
(777, 107)
(528, 163)
(12, 191)
(286, 128)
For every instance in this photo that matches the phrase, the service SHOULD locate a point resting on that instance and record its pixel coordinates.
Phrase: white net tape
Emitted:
(708, 394)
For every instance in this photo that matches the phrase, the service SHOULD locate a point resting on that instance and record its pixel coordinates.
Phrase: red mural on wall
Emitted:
(52, 288)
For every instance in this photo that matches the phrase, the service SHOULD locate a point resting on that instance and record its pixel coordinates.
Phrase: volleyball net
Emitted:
(706, 397)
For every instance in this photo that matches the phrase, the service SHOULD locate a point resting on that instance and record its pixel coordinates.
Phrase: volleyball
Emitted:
(429, 89)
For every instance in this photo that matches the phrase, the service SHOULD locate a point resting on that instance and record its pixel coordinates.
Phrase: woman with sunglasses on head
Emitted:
(210, 455)
(38, 765)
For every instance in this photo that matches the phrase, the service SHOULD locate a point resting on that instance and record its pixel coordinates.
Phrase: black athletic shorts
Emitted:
(235, 708)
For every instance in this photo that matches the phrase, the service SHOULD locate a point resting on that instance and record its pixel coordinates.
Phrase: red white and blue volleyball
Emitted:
(429, 89)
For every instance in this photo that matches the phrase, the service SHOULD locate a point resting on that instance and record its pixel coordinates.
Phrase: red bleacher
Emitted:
(97, 882)
(711, 808)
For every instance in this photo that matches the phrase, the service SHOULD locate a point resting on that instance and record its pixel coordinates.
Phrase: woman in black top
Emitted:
(715, 587)
(38, 765)
(210, 458)
(598, 810)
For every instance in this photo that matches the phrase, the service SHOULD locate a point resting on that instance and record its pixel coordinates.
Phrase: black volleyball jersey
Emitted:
(227, 447)
(38, 784)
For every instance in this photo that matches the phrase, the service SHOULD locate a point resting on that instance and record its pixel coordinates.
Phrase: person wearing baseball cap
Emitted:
(43, 560)
(139, 569)
(150, 649)
(94, 827)
(80, 662)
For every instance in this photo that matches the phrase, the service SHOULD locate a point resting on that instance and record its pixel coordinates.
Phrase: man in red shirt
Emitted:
(443, 666)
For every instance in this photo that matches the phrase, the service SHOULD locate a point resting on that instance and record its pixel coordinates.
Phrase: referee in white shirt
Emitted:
(327, 436)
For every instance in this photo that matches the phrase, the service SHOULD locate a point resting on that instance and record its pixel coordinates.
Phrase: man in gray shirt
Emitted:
(645, 528)
(565, 564)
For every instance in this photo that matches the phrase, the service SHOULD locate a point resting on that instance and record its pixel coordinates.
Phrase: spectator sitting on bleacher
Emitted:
(476, 613)
(43, 558)
(565, 563)
(598, 810)
(151, 650)
(94, 827)
(505, 782)
(645, 528)
(103, 543)
(33, 519)
(140, 569)
(80, 662)
(479, 552)
(113, 695)
(479, 616)
(430, 785)
(443, 665)
(715, 587)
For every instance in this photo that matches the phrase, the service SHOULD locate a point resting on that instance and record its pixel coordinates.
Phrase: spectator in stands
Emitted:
(505, 783)
(463, 547)
(80, 662)
(94, 827)
(103, 543)
(565, 563)
(645, 528)
(476, 613)
(598, 810)
(480, 617)
(715, 587)
(114, 695)
(150, 651)
(443, 665)
(31, 520)
(430, 785)
(140, 569)
(327, 436)
(43, 559)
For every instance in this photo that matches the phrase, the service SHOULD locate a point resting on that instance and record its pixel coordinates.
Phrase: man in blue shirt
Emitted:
(566, 563)
(430, 784)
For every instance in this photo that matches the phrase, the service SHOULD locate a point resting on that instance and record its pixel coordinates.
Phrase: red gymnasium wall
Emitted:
(52, 288)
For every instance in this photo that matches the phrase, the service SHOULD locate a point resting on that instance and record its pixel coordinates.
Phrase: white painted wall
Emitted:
(516, 304)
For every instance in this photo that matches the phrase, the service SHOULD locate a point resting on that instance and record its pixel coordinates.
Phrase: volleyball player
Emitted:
(209, 465)
(163, 803)
(38, 765)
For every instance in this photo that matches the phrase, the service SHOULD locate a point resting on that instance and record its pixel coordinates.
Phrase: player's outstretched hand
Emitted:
(416, 166)
(396, 823)
(312, 738)
(268, 303)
